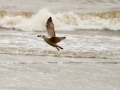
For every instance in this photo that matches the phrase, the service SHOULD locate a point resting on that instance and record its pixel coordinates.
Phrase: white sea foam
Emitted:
(63, 21)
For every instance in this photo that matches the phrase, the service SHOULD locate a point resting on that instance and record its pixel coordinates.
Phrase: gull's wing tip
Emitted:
(50, 27)
(49, 19)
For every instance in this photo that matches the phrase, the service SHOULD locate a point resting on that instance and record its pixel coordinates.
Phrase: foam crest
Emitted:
(63, 21)
(36, 22)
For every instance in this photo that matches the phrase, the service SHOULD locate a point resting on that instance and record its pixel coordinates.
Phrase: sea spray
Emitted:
(66, 21)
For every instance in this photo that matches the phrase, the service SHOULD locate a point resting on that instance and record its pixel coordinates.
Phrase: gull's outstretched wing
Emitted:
(50, 28)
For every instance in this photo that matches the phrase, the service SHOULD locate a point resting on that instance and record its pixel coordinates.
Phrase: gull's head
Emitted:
(41, 36)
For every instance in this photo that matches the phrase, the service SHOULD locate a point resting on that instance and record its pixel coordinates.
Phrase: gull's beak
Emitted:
(39, 36)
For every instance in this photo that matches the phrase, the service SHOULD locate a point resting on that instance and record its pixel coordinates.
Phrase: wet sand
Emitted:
(18, 72)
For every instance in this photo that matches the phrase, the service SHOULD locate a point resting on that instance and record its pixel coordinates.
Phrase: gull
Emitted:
(52, 39)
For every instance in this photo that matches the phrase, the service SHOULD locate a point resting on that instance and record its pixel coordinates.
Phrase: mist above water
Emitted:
(76, 6)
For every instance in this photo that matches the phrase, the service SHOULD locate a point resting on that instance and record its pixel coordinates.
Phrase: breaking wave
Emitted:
(28, 21)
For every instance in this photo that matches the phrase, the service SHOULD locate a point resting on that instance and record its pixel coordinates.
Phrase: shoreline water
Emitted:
(57, 73)
(50, 59)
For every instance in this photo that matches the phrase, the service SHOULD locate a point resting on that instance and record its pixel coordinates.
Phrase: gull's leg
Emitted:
(60, 47)
(57, 48)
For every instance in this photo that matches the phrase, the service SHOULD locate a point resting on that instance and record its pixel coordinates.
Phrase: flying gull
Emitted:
(53, 40)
